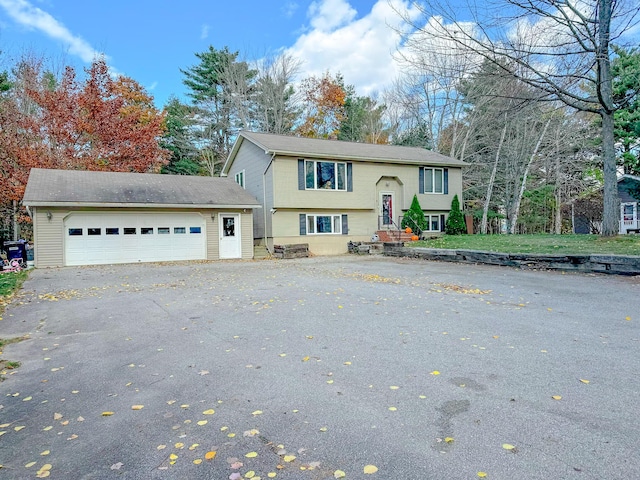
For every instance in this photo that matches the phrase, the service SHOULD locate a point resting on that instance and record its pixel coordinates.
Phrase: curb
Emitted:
(588, 263)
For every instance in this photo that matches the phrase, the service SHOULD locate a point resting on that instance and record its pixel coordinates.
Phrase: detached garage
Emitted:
(91, 218)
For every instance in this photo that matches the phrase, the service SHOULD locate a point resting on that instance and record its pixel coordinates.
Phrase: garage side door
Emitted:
(104, 238)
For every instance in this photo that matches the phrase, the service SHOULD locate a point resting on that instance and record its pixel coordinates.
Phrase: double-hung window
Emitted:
(319, 175)
(433, 180)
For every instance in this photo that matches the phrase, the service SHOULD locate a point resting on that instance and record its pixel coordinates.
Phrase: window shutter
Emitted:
(349, 178)
(301, 178)
(303, 224)
(445, 181)
(442, 222)
(421, 180)
(345, 225)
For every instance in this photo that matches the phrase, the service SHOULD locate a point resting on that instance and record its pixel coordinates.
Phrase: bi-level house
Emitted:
(328, 192)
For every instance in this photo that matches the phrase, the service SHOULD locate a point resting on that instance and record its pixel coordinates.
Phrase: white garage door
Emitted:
(103, 238)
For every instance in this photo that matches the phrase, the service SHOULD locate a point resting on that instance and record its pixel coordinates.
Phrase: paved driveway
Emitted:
(302, 368)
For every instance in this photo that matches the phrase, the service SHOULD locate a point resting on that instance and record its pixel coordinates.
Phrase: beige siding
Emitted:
(364, 195)
(49, 234)
(48, 237)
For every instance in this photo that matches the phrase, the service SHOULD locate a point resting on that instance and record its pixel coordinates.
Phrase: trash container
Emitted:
(15, 250)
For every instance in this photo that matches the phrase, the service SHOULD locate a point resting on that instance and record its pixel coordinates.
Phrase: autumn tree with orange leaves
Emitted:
(100, 123)
(323, 106)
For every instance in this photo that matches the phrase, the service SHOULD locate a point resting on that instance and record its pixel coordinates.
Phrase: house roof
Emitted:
(339, 150)
(117, 189)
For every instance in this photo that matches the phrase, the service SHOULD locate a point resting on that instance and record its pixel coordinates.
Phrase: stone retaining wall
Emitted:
(598, 263)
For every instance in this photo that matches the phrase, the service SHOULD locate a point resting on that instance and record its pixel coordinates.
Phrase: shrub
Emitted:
(414, 218)
(455, 224)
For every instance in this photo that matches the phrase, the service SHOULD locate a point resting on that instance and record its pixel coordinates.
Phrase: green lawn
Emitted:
(10, 282)
(561, 244)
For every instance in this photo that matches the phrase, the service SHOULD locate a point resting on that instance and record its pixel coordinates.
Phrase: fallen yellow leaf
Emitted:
(435, 372)
(289, 458)
(484, 474)
(137, 407)
(202, 422)
(210, 455)
(173, 456)
(30, 464)
(250, 474)
(584, 381)
(194, 446)
(339, 474)
(508, 446)
(272, 474)
(556, 397)
(251, 455)
(257, 412)
(369, 469)
(179, 445)
(197, 461)
(211, 411)
(448, 439)
(107, 414)
(393, 409)
(305, 359)
(394, 387)
(17, 429)
(46, 452)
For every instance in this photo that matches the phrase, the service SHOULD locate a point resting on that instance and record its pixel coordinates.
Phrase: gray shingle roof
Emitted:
(340, 150)
(79, 187)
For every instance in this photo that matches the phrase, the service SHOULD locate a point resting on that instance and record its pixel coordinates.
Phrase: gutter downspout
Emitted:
(264, 201)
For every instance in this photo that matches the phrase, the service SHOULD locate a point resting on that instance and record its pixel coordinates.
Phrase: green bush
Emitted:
(414, 218)
(455, 224)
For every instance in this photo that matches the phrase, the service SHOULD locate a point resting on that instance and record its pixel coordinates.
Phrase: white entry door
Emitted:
(230, 244)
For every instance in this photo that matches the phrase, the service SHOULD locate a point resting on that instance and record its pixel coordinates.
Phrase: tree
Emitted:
(93, 124)
(179, 139)
(414, 218)
(455, 224)
(562, 49)
(323, 106)
(363, 120)
(220, 87)
(625, 70)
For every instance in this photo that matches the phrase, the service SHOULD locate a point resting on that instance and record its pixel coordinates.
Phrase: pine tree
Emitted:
(455, 223)
(414, 218)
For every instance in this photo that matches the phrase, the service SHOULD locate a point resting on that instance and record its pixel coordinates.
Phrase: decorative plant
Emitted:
(455, 224)
(414, 218)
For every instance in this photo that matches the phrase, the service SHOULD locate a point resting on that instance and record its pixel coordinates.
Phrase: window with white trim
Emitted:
(433, 223)
(433, 180)
(324, 224)
(325, 175)
(240, 178)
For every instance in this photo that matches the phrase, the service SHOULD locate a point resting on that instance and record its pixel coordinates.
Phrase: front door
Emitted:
(387, 205)
(230, 246)
(629, 214)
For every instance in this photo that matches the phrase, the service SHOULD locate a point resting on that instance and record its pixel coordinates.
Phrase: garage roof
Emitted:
(117, 189)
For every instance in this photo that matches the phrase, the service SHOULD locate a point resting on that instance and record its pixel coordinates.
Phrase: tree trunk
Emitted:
(487, 201)
(523, 184)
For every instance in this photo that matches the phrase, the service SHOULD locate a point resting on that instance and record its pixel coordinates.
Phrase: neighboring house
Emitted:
(629, 192)
(327, 192)
(86, 218)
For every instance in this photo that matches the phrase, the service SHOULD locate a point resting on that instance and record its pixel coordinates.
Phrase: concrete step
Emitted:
(260, 252)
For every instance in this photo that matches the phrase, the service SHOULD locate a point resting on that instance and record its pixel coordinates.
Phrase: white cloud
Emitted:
(30, 16)
(289, 9)
(204, 32)
(360, 49)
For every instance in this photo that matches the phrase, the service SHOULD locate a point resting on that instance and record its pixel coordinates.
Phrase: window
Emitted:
(325, 175)
(112, 231)
(94, 231)
(74, 232)
(433, 180)
(433, 223)
(178, 230)
(164, 230)
(146, 231)
(321, 224)
(129, 231)
(195, 230)
(240, 178)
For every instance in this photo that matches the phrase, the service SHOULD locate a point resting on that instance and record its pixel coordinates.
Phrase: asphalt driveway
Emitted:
(303, 369)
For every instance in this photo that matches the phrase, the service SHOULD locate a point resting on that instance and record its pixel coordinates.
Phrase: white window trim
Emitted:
(428, 218)
(433, 180)
(240, 178)
(334, 217)
(315, 176)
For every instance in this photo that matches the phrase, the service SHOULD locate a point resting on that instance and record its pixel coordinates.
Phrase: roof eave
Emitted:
(208, 206)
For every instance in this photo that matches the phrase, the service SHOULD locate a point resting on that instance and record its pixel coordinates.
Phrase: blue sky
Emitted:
(151, 41)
